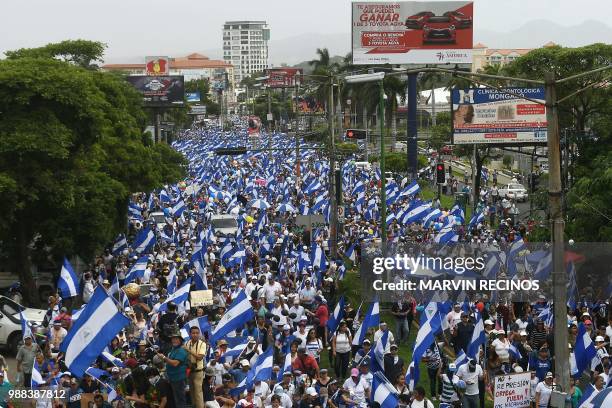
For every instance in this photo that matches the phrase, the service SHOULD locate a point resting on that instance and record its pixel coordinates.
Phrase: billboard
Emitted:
(412, 32)
(283, 77)
(159, 91)
(157, 65)
(254, 126)
(193, 96)
(491, 116)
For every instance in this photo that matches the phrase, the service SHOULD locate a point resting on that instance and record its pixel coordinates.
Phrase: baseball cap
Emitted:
(599, 338)
(549, 375)
(523, 333)
(489, 322)
(115, 370)
(286, 327)
(311, 391)
(245, 363)
(354, 372)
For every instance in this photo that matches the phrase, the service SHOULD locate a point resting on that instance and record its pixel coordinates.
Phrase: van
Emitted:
(225, 225)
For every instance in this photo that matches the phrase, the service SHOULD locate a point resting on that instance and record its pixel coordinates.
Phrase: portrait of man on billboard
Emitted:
(464, 114)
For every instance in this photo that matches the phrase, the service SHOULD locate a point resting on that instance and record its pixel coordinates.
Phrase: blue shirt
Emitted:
(177, 373)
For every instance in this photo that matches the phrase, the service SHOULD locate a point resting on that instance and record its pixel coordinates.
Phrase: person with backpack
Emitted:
(419, 400)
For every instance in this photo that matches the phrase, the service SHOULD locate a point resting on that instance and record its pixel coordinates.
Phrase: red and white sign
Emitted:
(412, 32)
(283, 77)
(157, 65)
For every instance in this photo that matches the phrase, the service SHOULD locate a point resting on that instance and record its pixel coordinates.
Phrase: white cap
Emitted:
(523, 333)
(488, 321)
(245, 363)
(599, 338)
(286, 327)
(311, 391)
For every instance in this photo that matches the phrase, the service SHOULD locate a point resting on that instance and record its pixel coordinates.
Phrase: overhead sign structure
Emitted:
(491, 116)
(159, 91)
(283, 77)
(512, 391)
(197, 109)
(157, 66)
(412, 32)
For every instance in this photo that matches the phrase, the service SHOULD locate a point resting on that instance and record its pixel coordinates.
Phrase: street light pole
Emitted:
(562, 366)
(333, 224)
(270, 120)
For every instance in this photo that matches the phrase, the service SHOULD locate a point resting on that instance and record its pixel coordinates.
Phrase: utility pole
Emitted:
(297, 137)
(411, 131)
(383, 181)
(270, 119)
(333, 225)
(562, 366)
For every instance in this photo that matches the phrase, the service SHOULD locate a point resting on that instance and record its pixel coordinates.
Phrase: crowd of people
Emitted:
(169, 357)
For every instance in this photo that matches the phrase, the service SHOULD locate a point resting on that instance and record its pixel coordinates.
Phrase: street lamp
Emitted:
(378, 77)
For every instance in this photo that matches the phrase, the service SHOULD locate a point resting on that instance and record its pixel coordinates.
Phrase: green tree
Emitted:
(79, 52)
(71, 153)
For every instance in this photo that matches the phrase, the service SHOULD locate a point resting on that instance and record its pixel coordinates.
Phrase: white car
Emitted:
(514, 191)
(10, 322)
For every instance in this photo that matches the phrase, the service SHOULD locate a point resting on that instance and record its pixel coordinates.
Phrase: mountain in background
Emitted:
(533, 34)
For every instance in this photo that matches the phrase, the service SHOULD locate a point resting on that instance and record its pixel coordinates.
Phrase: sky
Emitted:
(155, 27)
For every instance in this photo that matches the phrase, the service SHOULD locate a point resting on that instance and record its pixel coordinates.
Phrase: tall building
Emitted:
(192, 66)
(245, 46)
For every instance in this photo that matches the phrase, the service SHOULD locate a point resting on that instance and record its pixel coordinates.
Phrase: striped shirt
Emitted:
(433, 358)
(448, 390)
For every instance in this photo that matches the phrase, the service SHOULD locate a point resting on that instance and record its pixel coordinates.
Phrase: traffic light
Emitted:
(355, 134)
(230, 151)
(440, 173)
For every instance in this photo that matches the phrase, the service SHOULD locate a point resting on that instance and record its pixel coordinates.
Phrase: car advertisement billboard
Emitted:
(159, 91)
(412, 32)
(157, 65)
(491, 116)
(283, 77)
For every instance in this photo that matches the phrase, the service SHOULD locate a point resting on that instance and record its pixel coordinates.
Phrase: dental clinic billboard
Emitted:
(412, 32)
(491, 116)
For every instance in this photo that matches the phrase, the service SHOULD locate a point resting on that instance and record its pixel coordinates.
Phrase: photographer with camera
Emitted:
(196, 348)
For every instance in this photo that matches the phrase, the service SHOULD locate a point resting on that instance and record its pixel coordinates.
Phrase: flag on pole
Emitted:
(68, 284)
(371, 319)
(336, 317)
(383, 392)
(98, 324)
(239, 312)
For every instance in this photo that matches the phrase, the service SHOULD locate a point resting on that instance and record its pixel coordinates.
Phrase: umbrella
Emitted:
(286, 207)
(260, 204)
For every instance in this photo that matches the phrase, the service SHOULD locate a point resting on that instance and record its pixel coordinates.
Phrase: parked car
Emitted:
(10, 322)
(460, 19)
(158, 218)
(416, 21)
(439, 29)
(514, 191)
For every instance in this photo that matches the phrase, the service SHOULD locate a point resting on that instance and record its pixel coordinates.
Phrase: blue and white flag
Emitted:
(112, 359)
(235, 317)
(411, 189)
(180, 296)
(377, 353)
(99, 323)
(446, 235)
(547, 316)
(137, 270)
(134, 212)
(179, 208)
(584, 350)
(235, 351)
(145, 240)
(383, 392)
(199, 322)
(26, 330)
(461, 359)
(476, 219)
(424, 339)
(119, 245)
(285, 368)
(587, 396)
(68, 284)
(336, 317)
(351, 253)
(514, 352)
(37, 379)
(371, 319)
(478, 338)
(262, 369)
(603, 399)
(318, 257)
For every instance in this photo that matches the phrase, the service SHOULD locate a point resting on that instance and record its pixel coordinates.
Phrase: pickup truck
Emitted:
(10, 323)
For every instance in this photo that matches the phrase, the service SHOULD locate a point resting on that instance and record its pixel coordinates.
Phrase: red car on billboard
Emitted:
(439, 29)
(461, 20)
(416, 21)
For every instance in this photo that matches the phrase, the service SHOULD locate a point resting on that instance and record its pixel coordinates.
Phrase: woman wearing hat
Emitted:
(543, 391)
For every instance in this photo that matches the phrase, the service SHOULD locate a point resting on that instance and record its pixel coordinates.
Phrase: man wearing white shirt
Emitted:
(272, 289)
(380, 332)
(298, 310)
(251, 286)
(454, 316)
(358, 387)
(470, 373)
